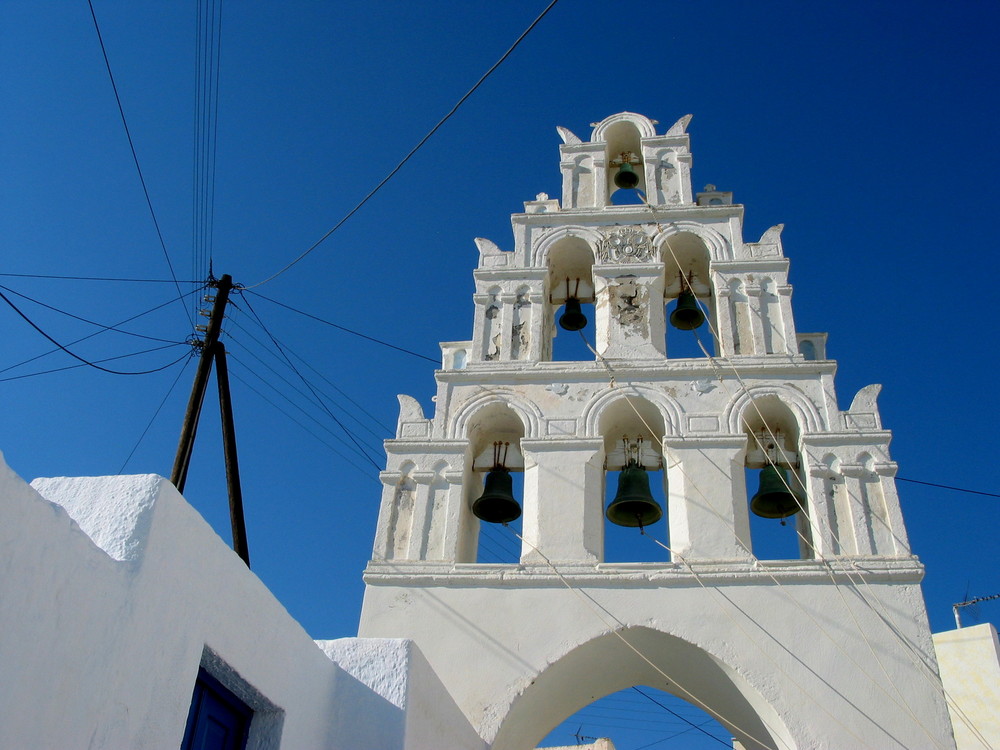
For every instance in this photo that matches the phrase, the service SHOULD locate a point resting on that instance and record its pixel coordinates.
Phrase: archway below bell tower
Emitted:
(614, 661)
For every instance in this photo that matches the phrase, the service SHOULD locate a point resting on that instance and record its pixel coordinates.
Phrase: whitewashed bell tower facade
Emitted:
(828, 650)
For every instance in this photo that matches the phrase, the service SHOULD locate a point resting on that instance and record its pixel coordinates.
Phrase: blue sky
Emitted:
(867, 129)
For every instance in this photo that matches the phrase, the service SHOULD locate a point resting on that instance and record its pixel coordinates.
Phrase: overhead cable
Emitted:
(342, 328)
(297, 390)
(73, 354)
(362, 469)
(333, 416)
(414, 150)
(98, 278)
(84, 320)
(375, 420)
(135, 159)
(686, 721)
(106, 359)
(153, 418)
(948, 487)
(208, 51)
(98, 333)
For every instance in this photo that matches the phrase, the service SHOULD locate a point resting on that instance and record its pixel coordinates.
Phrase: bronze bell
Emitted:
(626, 177)
(687, 315)
(497, 503)
(773, 499)
(634, 504)
(572, 318)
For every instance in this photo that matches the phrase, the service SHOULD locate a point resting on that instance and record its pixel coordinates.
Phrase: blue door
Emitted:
(218, 720)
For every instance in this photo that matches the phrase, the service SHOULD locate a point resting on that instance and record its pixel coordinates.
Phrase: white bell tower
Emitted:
(828, 650)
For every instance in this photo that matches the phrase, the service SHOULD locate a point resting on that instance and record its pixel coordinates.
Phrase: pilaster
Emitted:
(630, 313)
(707, 502)
(563, 508)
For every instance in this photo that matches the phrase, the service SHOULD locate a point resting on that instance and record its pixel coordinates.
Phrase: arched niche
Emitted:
(622, 139)
(774, 438)
(607, 664)
(757, 398)
(633, 428)
(668, 410)
(494, 431)
(718, 247)
(686, 259)
(645, 127)
(570, 261)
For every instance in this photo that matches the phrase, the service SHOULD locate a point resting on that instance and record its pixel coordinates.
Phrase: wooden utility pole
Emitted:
(212, 350)
(232, 465)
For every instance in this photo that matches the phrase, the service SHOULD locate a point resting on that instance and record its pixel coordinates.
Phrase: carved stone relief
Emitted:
(625, 245)
(629, 303)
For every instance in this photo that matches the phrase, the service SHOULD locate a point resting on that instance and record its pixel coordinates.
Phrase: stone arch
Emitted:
(805, 412)
(544, 244)
(605, 664)
(718, 246)
(687, 252)
(670, 410)
(642, 124)
(529, 413)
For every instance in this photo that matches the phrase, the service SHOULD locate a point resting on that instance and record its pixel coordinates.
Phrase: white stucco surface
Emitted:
(113, 591)
(969, 659)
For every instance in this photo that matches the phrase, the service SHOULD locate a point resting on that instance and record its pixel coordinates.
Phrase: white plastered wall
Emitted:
(113, 591)
(969, 659)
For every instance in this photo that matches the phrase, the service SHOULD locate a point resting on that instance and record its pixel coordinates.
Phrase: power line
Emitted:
(208, 46)
(948, 487)
(106, 359)
(375, 420)
(135, 159)
(98, 278)
(333, 416)
(153, 418)
(98, 333)
(265, 398)
(290, 385)
(340, 327)
(85, 320)
(74, 355)
(416, 148)
(686, 721)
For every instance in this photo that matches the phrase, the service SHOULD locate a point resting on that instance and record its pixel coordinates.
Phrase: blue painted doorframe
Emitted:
(218, 720)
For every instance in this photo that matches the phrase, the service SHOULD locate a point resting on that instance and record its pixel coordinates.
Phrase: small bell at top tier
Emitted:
(626, 177)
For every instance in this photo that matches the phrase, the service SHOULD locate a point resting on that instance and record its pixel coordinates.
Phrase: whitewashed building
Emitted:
(109, 619)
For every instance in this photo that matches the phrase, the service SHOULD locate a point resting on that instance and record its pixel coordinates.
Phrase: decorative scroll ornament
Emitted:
(625, 245)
